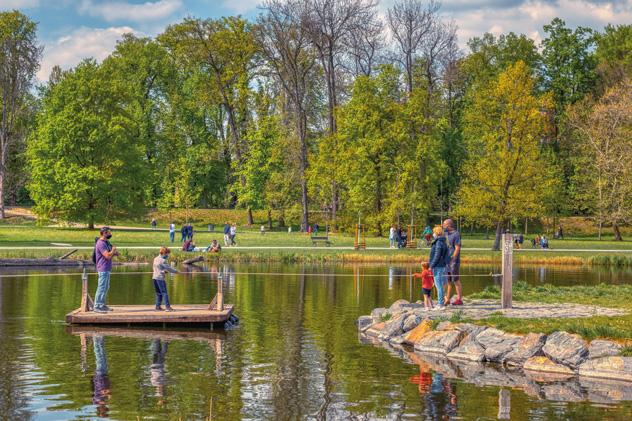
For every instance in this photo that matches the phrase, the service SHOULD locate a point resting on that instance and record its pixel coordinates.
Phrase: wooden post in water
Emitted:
(86, 301)
(507, 271)
(217, 303)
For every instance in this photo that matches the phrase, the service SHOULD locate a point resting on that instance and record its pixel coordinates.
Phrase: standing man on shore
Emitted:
(172, 232)
(103, 253)
(454, 267)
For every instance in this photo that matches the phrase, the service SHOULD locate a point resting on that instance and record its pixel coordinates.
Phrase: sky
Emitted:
(71, 30)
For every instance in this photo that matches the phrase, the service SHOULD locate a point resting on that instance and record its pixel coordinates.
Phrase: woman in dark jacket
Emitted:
(439, 253)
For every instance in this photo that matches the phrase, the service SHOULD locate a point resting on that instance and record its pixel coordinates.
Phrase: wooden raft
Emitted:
(184, 314)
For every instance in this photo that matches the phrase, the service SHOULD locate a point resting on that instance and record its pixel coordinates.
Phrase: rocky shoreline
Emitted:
(419, 335)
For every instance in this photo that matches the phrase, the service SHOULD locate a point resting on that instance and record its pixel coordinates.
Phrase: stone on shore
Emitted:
(375, 330)
(611, 368)
(393, 326)
(565, 348)
(600, 348)
(497, 343)
(419, 332)
(364, 322)
(398, 306)
(377, 314)
(468, 350)
(439, 341)
(542, 363)
(529, 346)
(411, 322)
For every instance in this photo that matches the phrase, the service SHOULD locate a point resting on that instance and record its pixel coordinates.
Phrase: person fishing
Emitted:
(160, 285)
(102, 258)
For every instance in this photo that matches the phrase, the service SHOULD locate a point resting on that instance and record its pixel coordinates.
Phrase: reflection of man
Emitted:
(100, 381)
(157, 368)
(454, 267)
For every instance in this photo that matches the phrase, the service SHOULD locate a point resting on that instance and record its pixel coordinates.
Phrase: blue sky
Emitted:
(71, 30)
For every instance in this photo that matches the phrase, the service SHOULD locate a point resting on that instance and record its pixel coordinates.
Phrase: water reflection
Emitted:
(100, 381)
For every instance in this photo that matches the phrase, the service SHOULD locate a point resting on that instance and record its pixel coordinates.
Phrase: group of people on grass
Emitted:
(104, 253)
(443, 267)
(398, 237)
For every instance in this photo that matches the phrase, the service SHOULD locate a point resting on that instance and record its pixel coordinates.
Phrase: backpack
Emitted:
(447, 258)
(94, 251)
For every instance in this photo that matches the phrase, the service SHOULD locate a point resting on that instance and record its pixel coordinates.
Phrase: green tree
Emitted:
(614, 54)
(508, 173)
(19, 61)
(85, 161)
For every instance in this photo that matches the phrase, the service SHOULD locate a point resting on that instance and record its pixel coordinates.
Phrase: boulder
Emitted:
(398, 306)
(417, 333)
(529, 346)
(468, 350)
(565, 348)
(377, 314)
(446, 326)
(397, 340)
(375, 330)
(411, 322)
(542, 363)
(439, 342)
(364, 322)
(611, 368)
(497, 343)
(393, 326)
(600, 348)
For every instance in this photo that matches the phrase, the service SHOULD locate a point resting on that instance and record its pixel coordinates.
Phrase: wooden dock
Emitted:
(187, 314)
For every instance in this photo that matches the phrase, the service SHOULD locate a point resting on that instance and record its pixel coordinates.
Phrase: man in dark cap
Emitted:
(103, 254)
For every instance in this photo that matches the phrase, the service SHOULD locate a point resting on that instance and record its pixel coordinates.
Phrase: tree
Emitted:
(614, 54)
(85, 161)
(19, 61)
(507, 174)
(603, 146)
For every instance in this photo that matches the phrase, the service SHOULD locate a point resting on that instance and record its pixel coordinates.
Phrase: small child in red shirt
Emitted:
(427, 282)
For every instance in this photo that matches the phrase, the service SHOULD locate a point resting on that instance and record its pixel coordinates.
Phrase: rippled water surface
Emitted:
(295, 355)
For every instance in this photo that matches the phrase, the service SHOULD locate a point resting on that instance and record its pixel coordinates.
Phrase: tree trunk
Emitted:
(250, 220)
(499, 232)
(270, 219)
(617, 233)
(2, 191)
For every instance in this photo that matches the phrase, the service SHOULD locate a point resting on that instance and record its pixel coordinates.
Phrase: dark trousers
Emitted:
(161, 292)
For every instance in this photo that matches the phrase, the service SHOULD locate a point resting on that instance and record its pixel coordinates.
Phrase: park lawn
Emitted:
(617, 328)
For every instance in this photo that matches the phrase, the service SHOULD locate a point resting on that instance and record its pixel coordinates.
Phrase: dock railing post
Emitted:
(507, 271)
(217, 303)
(86, 301)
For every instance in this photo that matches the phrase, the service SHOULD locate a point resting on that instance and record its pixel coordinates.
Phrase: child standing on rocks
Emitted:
(427, 282)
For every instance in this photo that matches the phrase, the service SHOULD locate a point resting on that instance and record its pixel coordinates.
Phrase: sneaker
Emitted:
(100, 310)
(158, 308)
(457, 302)
(169, 309)
(106, 308)
(440, 308)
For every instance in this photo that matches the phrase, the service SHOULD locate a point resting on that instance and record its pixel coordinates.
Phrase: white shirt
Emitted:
(172, 227)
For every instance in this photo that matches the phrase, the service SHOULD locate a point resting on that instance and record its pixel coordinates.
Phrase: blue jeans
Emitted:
(161, 292)
(102, 289)
(392, 242)
(439, 280)
(172, 235)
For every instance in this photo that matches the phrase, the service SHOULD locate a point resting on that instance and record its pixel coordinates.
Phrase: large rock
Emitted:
(565, 348)
(411, 322)
(542, 363)
(377, 314)
(439, 342)
(497, 343)
(364, 322)
(600, 348)
(375, 330)
(529, 346)
(393, 326)
(398, 306)
(419, 332)
(468, 350)
(611, 368)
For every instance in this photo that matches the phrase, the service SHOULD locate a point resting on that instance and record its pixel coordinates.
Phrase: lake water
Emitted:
(295, 355)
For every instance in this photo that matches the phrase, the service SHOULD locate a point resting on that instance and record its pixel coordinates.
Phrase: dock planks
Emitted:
(185, 314)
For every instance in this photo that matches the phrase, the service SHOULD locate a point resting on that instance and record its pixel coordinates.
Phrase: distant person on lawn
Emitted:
(172, 232)
(226, 234)
(183, 231)
(160, 285)
(103, 254)
(453, 269)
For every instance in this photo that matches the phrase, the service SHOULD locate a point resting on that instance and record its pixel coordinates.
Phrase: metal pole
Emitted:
(507, 271)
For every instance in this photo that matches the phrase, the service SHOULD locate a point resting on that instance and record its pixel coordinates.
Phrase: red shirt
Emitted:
(427, 280)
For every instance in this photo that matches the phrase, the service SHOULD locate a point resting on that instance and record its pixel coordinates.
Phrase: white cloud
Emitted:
(18, 4)
(121, 10)
(82, 43)
(241, 6)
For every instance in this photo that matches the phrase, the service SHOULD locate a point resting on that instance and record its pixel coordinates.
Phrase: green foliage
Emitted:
(85, 161)
(614, 54)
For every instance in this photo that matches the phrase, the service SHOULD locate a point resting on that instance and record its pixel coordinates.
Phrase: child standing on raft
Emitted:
(160, 285)
(427, 282)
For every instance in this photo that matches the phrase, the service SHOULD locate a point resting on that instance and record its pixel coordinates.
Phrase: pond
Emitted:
(295, 355)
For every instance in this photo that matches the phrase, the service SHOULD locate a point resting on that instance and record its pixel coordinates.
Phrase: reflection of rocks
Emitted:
(613, 368)
(529, 346)
(600, 348)
(566, 392)
(565, 348)
(606, 391)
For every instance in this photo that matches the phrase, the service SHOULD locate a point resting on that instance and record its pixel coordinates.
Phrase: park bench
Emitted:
(316, 240)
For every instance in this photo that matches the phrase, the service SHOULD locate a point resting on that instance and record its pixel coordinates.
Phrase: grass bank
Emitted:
(617, 296)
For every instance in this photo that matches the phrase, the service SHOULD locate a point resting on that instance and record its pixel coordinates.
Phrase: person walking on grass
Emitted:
(439, 255)
(160, 285)
(233, 233)
(226, 234)
(183, 232)
(453, 268)
(172, 232)
(427, 282)
(391, 237)
(103, 254)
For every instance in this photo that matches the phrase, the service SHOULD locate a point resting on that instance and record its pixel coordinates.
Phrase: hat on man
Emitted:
(104, 229)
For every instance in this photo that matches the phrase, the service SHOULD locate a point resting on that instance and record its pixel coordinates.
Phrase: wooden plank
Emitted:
(507, 271)
(144, 314)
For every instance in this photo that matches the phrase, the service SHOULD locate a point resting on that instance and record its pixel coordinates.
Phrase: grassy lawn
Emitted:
(617, 296)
